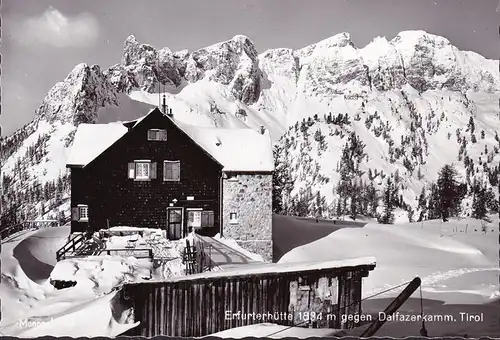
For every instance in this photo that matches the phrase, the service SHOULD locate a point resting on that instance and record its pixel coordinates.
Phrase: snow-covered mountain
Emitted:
(409, 100)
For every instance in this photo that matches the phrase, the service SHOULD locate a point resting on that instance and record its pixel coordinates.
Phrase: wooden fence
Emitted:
(199, 306)
(203, 255)
(27, 225)
(139, 253)
(75, 241)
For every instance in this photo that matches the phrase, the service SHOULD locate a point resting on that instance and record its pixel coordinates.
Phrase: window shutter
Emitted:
(153, 170)
(167, 174)
(75, 214)
(211, 219)
(151, 135)
(163, 135)
(204, 219)
(176, 175)
(131, 170)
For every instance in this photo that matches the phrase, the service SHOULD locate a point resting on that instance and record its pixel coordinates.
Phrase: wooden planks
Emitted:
(199, 308)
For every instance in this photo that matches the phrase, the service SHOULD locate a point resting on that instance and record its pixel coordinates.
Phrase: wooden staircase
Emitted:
(75, 243)
(189, 259)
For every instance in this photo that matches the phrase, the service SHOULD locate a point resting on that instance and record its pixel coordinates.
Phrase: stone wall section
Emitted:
(250, 197)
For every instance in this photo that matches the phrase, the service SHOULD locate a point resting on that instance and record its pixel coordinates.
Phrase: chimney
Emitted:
(262, 129)
(170, 112)
(164, 105)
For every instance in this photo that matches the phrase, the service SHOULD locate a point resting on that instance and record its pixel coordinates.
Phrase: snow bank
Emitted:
(134, 229)
(258, 268)
(443, 256)
(43, 244)
(233, 244)
(270, 330)
(32, 309)
(91, 319)
(167, 254)
(102, 273)
(170, 255)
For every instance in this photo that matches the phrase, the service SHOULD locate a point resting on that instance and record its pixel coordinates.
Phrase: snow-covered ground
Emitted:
(33, 307)
(457, 261)
(233, 244)
(273, 331)
(102, 273)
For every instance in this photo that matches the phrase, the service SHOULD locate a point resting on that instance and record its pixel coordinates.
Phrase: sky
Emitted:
(42, 40)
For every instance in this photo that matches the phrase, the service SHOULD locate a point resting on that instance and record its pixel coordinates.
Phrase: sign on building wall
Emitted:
(194, 219)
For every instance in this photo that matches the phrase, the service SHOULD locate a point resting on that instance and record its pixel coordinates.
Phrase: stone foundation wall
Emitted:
(250, 197)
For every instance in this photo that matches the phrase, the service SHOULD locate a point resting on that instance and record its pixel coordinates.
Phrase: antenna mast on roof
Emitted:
(159, 84)
(164, 105)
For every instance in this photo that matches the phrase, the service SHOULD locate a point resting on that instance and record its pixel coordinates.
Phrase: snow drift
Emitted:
(36, 308)
(457, 261)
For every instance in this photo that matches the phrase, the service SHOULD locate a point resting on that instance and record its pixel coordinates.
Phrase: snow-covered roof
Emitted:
(244, 150)
(93, 139)
(258, 269)
(235, 149)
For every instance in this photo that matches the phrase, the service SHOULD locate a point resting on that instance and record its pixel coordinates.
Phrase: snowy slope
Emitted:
(417, 81)
(457, 261)
(388, 124)
(416, 77)
(32, 309)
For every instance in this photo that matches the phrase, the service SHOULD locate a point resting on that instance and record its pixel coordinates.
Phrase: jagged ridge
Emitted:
(228, 84)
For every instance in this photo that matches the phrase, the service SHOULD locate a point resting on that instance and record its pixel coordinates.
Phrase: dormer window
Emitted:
(157, 135)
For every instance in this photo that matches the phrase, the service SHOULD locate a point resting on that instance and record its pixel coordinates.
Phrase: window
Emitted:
(157, 134)
(84, 213)
(142, 170)
(233, 217)
(194, 218)
(207, 219)
(80, 213)
(171, 171)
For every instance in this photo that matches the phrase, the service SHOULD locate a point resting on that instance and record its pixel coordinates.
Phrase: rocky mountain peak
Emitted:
(233, 62)
(420, 37)
(378, 89)
(338, 40)
(133, 52)
(78, 97)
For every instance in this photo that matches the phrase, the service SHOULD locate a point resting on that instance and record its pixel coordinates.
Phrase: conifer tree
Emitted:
(387, 216)
(479, 210)
(373, 199)
(448, 192)
(433, 210)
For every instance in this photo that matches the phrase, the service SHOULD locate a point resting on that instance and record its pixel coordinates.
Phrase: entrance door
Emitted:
(174, 223)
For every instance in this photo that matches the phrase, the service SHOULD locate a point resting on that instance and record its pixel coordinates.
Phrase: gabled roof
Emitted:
(236, 149)
(239, 150)
(93, 139)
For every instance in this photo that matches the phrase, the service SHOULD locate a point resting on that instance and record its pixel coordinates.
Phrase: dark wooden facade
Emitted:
(115, 200)
(199, 307)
